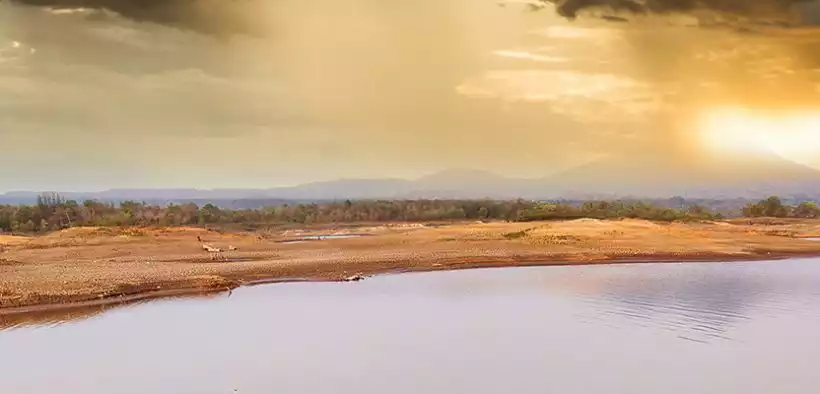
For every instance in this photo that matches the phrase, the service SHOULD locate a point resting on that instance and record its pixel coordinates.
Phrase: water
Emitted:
(741, 328)
(331, 236)
(321, 238)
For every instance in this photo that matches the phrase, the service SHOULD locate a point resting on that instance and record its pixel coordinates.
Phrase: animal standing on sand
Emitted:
(216, 253)
(354, 278)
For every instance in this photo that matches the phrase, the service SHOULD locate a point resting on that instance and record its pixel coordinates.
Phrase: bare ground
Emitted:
(95, 266)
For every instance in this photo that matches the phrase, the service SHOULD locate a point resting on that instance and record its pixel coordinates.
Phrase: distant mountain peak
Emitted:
(651, 176)
(461, 175)
(691, 175)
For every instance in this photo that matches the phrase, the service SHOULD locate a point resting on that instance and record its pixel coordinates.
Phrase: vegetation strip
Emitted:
(53, 212)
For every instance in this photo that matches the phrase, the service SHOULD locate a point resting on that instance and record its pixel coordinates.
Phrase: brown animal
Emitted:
(216, 253)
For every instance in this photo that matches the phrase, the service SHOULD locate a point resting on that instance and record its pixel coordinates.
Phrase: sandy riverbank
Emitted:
(97, 266)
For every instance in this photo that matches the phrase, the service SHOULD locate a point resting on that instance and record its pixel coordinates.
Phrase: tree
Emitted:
(6, 218)
(807, 210)
(770, 207)
(483, 213)
(700, 212)
(774, 207)
(209, 214)
(132, 211)
(25, 227)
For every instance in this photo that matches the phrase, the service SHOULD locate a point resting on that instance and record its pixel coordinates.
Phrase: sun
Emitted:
(733, 131)
(745, 132)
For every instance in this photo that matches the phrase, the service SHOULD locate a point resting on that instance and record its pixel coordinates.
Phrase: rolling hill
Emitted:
(647, 176)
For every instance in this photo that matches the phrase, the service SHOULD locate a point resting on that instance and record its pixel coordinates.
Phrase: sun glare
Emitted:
(746, 132)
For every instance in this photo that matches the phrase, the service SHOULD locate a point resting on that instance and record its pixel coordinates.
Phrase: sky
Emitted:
(261, 94)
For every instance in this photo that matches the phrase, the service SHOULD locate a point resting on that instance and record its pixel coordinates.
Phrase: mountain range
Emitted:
(643, 176)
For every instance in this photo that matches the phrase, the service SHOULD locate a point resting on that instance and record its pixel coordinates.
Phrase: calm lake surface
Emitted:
(740, 328)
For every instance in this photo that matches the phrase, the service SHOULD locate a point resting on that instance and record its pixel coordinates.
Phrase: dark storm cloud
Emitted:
(749, 8)
(208, 16)
(227, 17)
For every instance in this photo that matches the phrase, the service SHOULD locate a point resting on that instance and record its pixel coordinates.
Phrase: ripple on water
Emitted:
(700, 302)
(645, 328)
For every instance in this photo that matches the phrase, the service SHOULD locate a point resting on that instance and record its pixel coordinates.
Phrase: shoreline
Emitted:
(149, 294)
(97, 267)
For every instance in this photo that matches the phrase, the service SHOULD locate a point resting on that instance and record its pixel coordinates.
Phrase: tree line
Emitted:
(774, 207)
(53, 212)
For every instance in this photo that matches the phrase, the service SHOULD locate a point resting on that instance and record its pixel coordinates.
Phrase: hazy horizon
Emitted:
(306, 182)
(291, 92)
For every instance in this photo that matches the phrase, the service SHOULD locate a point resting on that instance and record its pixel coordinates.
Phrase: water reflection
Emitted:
(698, 302)
(55, 317)
(50, 318)
(640, 328)
(702, 308)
